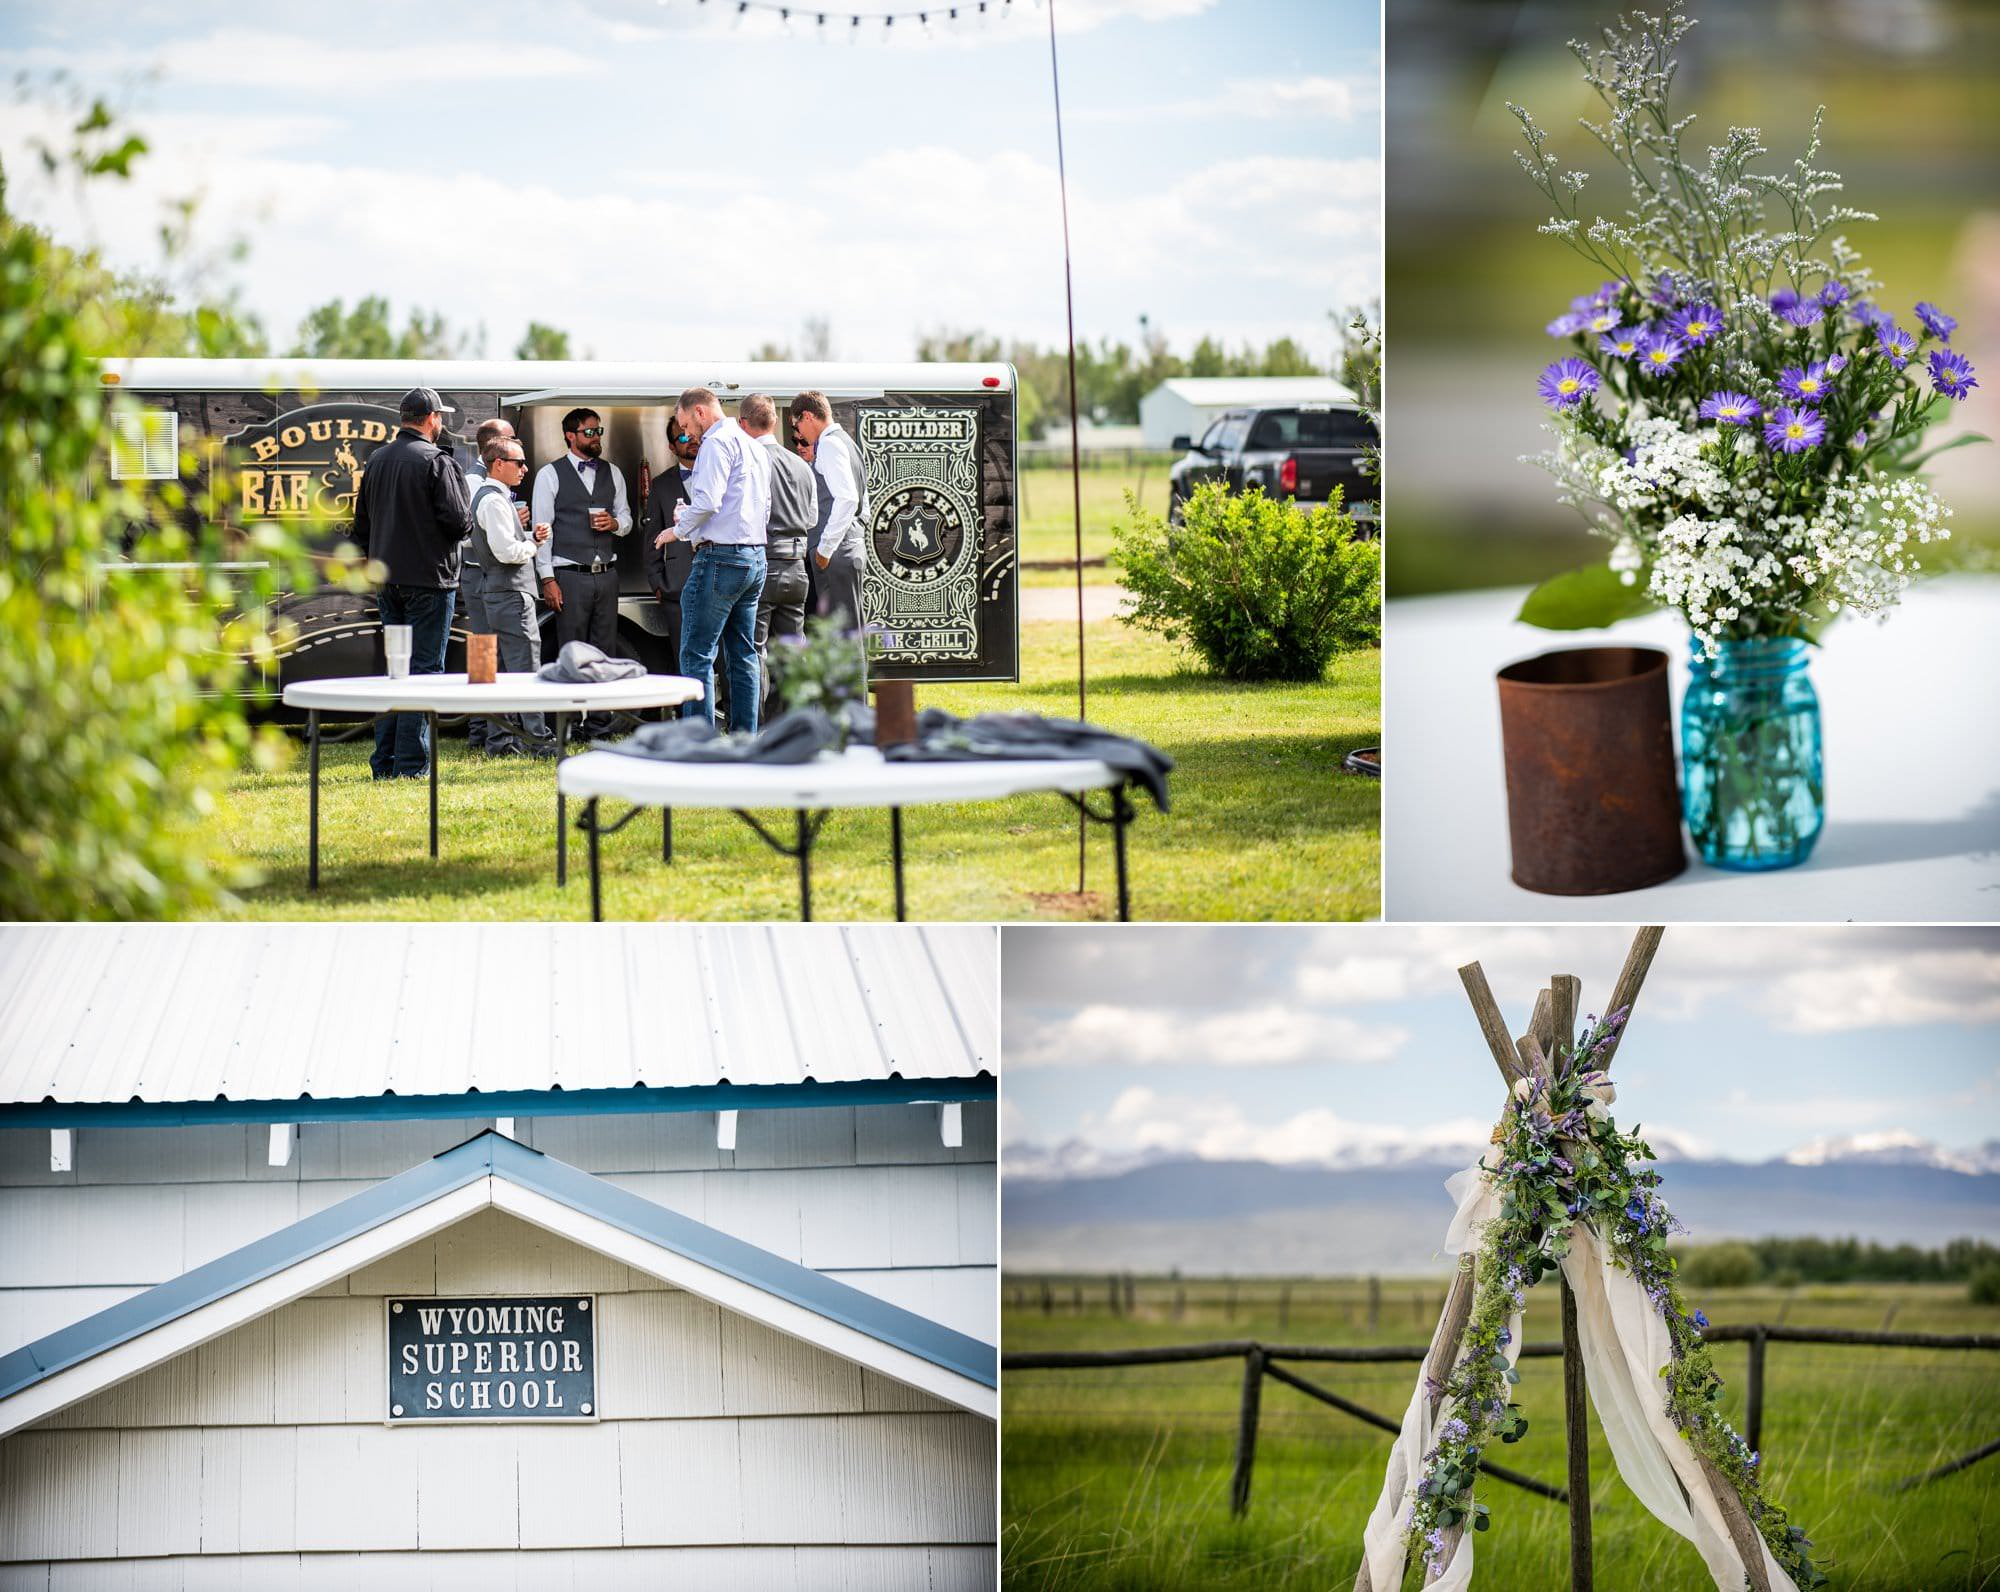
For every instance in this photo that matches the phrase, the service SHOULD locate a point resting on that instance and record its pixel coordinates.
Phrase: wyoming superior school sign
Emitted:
(492, 1359)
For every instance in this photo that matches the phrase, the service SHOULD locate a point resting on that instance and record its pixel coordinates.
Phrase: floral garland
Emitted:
(1561, 1160)
(1736, 409)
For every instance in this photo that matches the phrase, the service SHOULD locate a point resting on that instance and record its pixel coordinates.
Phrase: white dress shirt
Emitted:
(839, 468)
(542, 510)
(502, 525)
(729, 493)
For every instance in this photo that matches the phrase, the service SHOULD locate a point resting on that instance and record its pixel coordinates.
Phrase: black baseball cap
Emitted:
(420, 402)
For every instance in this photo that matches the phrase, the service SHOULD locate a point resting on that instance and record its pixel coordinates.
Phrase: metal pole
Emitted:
(805, 870)
(896, 853)
(1075, 441)
(1121, 815)
(666, 834)
(312, 803)
(1246, 1429)
(596, 876)
(562, 801)
(431, 719)
(1576, 1431)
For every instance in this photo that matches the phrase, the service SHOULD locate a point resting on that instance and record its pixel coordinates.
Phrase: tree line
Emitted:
(1789, 1261)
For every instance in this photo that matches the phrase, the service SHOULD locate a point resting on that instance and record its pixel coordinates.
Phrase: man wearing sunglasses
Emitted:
(500, 566)
(667, 563)
(582, 495)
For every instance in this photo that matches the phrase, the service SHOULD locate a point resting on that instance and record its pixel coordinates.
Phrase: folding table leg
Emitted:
(1121, 815)
(666, 834)
(312, 800)
(432, 720)
(896, 856)
(562, 802)
(805, 869)
(596, 878)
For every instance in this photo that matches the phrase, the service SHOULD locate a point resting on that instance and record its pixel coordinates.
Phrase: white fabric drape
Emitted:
(1624, 1344)
(1384, 1538)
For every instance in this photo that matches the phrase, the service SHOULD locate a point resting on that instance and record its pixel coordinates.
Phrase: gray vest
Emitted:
(572, 537)
(499, 576)
(856, 529)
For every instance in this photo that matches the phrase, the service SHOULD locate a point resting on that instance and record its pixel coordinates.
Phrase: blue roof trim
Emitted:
(773, 1274)
(489, 1153)
(496, 1103)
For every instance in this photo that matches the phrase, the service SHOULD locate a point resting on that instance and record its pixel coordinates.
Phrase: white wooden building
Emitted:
(1185, 406)
(755, 1167)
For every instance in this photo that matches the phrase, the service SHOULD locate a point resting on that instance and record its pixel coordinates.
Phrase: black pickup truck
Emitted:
(1300, 451)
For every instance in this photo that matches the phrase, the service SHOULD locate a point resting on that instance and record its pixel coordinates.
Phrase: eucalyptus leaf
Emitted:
(1590, 598)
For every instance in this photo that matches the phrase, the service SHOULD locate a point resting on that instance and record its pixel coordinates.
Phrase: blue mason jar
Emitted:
(1752, 770)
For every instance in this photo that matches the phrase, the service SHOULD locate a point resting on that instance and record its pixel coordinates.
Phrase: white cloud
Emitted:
(1254, 98)
(1936, 986)
(1145, 1120)
(1267, 1035)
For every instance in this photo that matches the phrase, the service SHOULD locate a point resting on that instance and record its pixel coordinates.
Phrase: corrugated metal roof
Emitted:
(201, 1012)
(491, 1155)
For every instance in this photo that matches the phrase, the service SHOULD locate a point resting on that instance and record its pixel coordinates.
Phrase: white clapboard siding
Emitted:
(570, 1487)
(767, 1373)
(682, 1481)
(61, 1492)
(669, 1141)
(249, 1489)
(753, 1569)
(159, 1492)
(30, 1313)
(358, 1487)
(659, 1356)
(964, 1298)
(468, 1487)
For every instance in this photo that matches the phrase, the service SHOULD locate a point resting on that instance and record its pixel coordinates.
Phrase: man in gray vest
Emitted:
(471, 607)
(503, 553)
(794, 515)
(840, 549)
(582, 495)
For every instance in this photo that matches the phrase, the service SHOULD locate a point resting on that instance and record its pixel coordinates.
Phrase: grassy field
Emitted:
(1048, 517)
(1119, 1478)
(1263, 823)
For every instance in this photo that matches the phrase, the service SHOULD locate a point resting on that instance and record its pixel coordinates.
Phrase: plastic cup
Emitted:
(398, 643)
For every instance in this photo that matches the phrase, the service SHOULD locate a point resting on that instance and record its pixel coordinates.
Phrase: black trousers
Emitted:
(589, 608)
(781, 611)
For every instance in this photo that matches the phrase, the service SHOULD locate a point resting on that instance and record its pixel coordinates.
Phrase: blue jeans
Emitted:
(719, 607)
(403, 740)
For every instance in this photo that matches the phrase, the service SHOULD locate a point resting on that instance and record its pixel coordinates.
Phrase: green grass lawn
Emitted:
(1048, 517)
(1264, 825)
(1119, 1478)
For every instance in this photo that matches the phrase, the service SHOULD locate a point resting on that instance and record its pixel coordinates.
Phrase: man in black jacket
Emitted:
(667, 567)
(413, 515)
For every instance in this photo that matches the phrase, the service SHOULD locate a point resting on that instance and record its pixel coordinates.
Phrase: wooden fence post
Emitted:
(1246, 1429)
(1753, 1387)
(1374, 1304)
(1117, 1294)
(1284, 1308)
(1576, 1430)
(1048, 1299)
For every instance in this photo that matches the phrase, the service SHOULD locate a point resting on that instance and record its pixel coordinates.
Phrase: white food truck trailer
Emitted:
(939, 441)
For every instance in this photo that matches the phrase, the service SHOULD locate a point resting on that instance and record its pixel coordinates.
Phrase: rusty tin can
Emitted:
(895, 712)
(1593, 805)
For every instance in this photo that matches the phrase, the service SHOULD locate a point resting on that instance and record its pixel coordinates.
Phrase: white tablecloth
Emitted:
(858, 777)
(1912, 724)
(509, 693)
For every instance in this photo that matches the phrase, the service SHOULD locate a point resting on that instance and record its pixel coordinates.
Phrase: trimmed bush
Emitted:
(1984, 1289)
(1720, 1266)
(1260, 588)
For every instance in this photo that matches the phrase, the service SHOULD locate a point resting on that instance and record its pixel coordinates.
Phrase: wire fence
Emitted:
(1283, 1363)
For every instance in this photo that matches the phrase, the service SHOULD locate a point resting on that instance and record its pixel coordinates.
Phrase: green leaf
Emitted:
(1585, 599)
(1924, 458)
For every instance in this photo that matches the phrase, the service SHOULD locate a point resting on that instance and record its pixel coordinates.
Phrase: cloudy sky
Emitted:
(663, 182)
(1283, 1044)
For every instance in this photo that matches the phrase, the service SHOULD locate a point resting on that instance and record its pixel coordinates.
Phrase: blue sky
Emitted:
(1283, 1044)
(663, 183)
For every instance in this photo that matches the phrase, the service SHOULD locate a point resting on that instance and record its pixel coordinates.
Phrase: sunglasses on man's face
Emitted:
(590, 431)
(513, 458)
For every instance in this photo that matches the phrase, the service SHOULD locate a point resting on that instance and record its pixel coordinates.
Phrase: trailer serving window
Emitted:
(145, 445)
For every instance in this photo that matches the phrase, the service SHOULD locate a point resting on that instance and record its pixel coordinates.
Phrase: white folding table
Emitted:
(858, 777)
(369, 696)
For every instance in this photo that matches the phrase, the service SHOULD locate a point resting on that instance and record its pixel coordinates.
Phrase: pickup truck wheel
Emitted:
(1176, 508)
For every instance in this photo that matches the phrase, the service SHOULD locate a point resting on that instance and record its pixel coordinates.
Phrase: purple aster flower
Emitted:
(1789, 307)
(1833, 294)
(1567, 383)
(1794, 430)
(1621, 342)
(1868, 314)
(1936, 322)
(1896, 344)
(1699, 325)
(1666, 290)
(1607, 293)
(1731, 408)
(1951, 373)
(1806, 386)
(1700, 1320)
(1835, 364)
(1660, 352)
(1860, 440)
(1568, 325)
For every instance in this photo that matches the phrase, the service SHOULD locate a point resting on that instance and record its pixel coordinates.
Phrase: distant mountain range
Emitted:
(1383, 1208)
